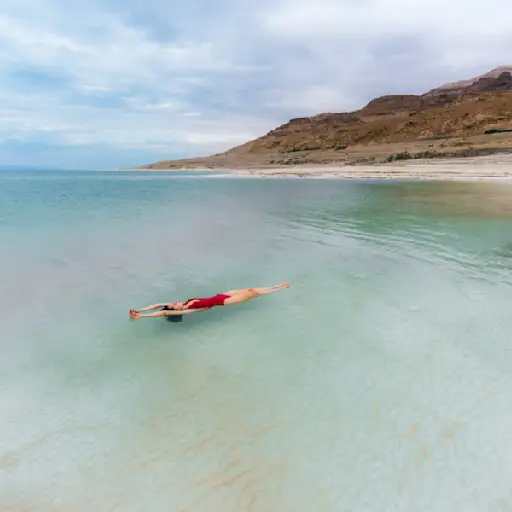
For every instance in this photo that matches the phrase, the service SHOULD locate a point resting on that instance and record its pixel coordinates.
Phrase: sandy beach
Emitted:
(493, 167)
(479, 168)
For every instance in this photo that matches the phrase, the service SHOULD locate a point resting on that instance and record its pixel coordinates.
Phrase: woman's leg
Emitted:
(259, 291)
(245, 294)
(270, 289)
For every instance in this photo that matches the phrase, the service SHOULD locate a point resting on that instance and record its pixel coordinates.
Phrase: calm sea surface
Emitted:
(381, 381)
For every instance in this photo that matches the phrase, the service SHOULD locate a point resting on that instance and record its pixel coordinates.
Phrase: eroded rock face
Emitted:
(466, 116)
(393, 104)
(502, 83)
(462, 108)
(464, 84)
(438, 97)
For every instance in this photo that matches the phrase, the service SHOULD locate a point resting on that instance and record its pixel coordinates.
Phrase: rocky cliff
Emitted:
(469, 108)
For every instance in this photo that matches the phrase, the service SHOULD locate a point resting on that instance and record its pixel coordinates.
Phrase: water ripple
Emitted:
(387, 359)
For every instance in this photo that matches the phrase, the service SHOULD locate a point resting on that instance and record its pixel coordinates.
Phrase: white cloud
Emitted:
(113, 57)
(312, 100)
(464, 35)
(347, 52)
(78, 125)
(118, 59)
(206, 76)
(327, 18)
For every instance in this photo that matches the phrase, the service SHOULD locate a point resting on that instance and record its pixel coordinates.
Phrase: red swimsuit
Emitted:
(208, 302)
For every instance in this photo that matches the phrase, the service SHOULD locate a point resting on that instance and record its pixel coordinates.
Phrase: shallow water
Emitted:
(380, 381)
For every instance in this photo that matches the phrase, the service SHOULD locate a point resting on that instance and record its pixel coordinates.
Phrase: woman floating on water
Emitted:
(194, 305)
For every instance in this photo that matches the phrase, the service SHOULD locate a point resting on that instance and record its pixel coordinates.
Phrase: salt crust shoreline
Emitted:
(493, 168)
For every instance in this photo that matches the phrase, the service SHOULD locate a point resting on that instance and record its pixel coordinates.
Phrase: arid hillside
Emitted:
(460, 119)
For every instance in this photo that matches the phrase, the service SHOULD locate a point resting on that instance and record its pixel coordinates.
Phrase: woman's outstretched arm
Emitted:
(156, 306)
(166, 312)
(149, 308)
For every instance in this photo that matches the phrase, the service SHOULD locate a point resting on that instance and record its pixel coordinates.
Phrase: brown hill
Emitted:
(442, 119)
(494, 73)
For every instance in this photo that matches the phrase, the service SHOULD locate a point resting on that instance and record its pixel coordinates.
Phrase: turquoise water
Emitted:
(380, 381)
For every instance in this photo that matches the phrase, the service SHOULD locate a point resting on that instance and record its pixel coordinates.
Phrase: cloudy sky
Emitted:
(109, 83)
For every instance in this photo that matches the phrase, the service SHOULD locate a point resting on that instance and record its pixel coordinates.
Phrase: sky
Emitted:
(117, 83)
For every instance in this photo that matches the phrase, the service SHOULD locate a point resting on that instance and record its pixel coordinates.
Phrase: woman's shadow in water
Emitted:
(213, 317)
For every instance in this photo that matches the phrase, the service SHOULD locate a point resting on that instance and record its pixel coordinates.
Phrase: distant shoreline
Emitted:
(490, 167)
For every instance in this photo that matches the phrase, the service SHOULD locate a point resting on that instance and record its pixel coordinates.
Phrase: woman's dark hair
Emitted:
(172, 318)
